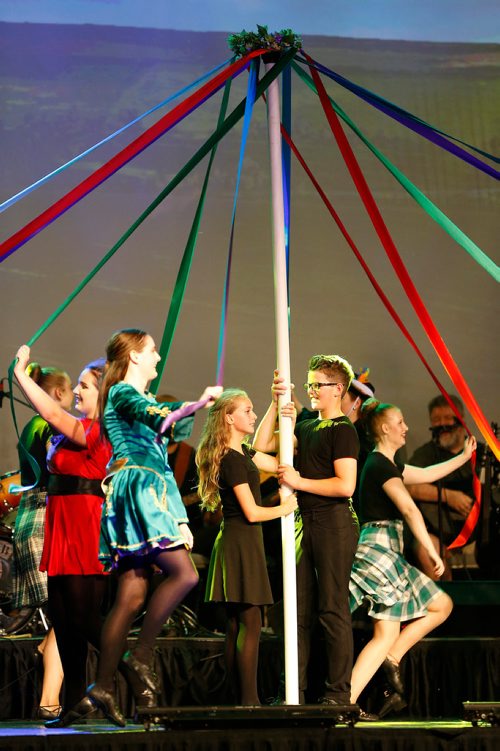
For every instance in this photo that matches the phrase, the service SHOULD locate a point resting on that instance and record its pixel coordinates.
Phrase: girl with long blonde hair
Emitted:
(229, 475)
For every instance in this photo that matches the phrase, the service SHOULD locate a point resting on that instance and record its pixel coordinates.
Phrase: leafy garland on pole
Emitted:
(278, 41)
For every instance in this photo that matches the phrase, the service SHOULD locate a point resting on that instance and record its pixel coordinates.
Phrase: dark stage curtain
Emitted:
(440, 674)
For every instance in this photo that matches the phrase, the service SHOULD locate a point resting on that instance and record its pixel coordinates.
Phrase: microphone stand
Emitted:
(439, 487)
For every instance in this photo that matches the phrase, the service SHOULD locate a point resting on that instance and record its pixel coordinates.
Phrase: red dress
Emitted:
(72, 524)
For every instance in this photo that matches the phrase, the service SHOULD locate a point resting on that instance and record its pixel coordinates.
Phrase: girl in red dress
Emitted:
(76, 583)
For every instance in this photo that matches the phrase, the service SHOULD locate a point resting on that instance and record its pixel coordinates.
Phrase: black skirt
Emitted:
(238, 571)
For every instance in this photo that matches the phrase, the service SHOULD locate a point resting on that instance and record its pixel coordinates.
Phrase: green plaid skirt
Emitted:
(383, 579)
(29, 584)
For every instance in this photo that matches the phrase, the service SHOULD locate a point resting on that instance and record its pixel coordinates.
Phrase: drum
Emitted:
(9, 501)
(6, 552)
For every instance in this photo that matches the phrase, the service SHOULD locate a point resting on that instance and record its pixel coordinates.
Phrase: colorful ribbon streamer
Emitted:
(250, 100)
(26, 191)
(187, 258)
(400, 269)
(392, 311)
(428, 206)
(150, 135)
(414, 123)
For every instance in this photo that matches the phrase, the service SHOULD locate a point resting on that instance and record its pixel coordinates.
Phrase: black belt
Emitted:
(73, 485)
(381, 524)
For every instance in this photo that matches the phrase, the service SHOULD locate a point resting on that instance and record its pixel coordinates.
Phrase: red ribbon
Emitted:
(403, 275)
(123, 157)
(473, 516)
(397, 263)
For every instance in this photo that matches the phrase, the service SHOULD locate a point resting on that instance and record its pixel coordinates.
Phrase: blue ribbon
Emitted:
(250, 100)
(11, 201)
(438, 137)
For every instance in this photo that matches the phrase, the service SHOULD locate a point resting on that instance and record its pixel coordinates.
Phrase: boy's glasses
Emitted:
(317, 386)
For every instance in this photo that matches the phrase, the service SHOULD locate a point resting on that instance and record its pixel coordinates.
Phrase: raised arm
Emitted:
(48, 408)
(416, 475)
(266, 437)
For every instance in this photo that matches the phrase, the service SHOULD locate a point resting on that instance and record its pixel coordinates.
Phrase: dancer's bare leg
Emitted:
(385, 633)
(52, 672)
(438, 612)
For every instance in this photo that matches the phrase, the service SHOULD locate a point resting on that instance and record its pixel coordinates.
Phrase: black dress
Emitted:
(238, 571)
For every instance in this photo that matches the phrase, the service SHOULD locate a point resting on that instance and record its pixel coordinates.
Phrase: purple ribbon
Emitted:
(409, 121)
(184, 411)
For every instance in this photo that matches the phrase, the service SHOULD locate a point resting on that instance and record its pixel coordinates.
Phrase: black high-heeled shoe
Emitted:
(144, 672)
(105, 701)
(394, 702)
(80, 712)
(143, 695)
(393, 675)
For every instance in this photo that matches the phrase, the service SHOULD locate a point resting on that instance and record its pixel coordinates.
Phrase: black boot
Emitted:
(143, 671)
(393, 675)
(143, 695)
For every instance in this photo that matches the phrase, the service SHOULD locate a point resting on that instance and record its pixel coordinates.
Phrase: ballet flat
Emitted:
(80, 712)
(105, 701)
(45, 713)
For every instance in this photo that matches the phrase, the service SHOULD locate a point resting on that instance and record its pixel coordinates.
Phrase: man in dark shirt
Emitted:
(325, 478)
(457, 494)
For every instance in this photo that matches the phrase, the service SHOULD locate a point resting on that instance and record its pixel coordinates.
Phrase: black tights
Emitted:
(244, 623)
(181, 577)
(75, 611)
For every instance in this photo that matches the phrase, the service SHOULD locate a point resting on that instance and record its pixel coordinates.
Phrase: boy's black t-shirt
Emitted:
(320, 443)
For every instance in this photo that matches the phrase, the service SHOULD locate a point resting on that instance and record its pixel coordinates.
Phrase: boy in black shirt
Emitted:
(324, 478)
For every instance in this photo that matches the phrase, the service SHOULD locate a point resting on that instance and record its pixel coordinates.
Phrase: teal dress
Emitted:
(143, 508)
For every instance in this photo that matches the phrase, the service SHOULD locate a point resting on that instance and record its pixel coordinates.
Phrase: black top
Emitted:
(375, 503)
(237, 469)
(320, 443)
(35, 438)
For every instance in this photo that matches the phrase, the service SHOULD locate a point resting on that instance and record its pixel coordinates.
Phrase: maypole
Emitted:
(277, 44)
(283, 364)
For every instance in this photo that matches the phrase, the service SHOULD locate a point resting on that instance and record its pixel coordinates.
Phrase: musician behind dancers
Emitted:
(182, 459)
(456, 490)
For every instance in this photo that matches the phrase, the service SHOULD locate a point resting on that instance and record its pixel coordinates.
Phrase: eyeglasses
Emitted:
(317, 386)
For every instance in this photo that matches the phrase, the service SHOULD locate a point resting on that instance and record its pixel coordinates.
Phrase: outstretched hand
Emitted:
(470, 446)
(211, 393)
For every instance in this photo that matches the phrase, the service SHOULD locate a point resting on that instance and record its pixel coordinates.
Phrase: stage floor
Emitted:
(255, 735)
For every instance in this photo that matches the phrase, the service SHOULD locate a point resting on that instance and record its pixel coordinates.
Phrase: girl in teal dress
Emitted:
(144, 521)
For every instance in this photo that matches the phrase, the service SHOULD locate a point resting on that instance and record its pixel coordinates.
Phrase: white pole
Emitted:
(283, 360)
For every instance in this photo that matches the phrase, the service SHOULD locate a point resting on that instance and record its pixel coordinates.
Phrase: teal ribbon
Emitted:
(428, 206)
(187, 258)
(250, 101)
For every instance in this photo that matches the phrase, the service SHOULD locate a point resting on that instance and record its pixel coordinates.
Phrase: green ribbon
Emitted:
(429, 207)
(187, 258)
(226, 126)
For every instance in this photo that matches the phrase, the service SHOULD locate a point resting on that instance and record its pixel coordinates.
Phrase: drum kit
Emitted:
(8, 512)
